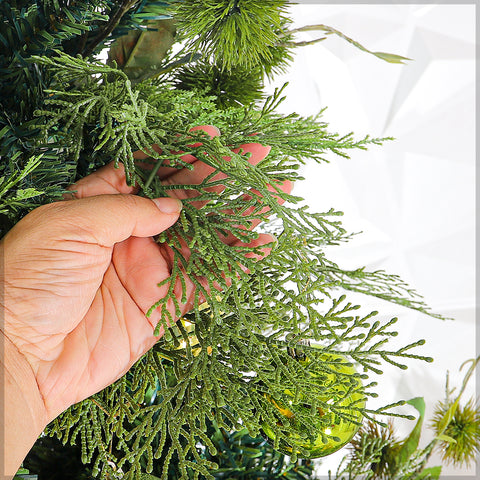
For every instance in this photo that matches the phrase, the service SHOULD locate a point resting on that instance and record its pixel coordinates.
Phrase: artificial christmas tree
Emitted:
(64, 114)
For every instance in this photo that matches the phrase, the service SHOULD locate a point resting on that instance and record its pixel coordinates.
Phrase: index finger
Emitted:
(164, 171)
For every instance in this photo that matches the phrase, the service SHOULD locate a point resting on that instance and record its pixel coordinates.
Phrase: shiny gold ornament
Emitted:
(182, 343)
(338, 431)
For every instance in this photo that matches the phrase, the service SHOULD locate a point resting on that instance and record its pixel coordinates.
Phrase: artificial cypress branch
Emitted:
(279, 339)
(282, 294)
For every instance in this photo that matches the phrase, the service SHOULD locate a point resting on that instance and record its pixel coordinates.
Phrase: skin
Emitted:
(79, 276)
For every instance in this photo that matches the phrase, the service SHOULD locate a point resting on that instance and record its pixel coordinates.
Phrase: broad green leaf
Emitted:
(446, 438)
(390, 57)
(411, 442)
(432, 473)
(140, 53)
(449, 414)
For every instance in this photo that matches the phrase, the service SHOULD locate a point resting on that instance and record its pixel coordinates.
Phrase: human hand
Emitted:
(81, 274)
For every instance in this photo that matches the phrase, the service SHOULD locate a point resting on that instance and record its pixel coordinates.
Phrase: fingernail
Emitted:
(168, 205)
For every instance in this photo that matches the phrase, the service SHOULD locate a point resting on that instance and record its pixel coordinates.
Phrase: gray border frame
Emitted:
(384, 2)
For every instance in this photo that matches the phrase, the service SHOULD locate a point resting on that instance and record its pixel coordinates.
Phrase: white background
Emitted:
(413, 198)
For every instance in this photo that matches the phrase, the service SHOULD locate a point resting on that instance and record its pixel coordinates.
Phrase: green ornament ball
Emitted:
(338, 431)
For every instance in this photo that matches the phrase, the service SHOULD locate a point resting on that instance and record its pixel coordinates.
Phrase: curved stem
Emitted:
(112, 23)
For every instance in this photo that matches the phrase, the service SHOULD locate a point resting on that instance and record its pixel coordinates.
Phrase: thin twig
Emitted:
(112, 23)
(333, 31)
(300, 44)
(99, 406)
(306, 28)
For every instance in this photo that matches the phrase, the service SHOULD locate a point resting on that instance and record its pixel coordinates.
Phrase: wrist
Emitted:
(24, 415)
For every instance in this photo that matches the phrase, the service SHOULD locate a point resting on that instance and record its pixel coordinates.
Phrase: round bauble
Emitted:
(337, 431)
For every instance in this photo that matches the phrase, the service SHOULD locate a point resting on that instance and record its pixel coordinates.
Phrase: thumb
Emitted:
(109, 219)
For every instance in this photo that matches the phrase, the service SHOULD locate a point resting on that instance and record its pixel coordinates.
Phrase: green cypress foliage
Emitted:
(70, 114)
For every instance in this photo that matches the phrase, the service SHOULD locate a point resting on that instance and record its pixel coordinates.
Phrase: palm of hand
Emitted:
(84, 324)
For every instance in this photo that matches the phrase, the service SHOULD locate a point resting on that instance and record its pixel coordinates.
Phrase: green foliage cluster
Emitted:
(238, 456)
(237, 86)
(39, 27)
(457, 426)
(237, 33)
(238, 43)
(243, 457)
(70, 114)
(257, 315)
(464, 427)
(376, 454)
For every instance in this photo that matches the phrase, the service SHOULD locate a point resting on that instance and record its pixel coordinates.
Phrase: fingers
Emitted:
(111, 180)
(201, 171)
(164, 172)
(106, 180)
(109, 219)
(264, 242)
(142, 264)
(285, 187)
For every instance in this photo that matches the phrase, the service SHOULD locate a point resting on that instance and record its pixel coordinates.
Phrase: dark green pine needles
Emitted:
(235, 33)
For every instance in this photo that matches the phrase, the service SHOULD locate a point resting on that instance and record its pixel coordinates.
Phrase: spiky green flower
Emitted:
(236, 32)
(463, 429)
(238, 86)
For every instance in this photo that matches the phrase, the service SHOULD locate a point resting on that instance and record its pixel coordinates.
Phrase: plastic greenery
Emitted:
(288, 42)
(377, 455)
(238, 456)
(244, 332)
(457, 426)
(237, 33)
(461, 440)
(69, 114)
(238, 86)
